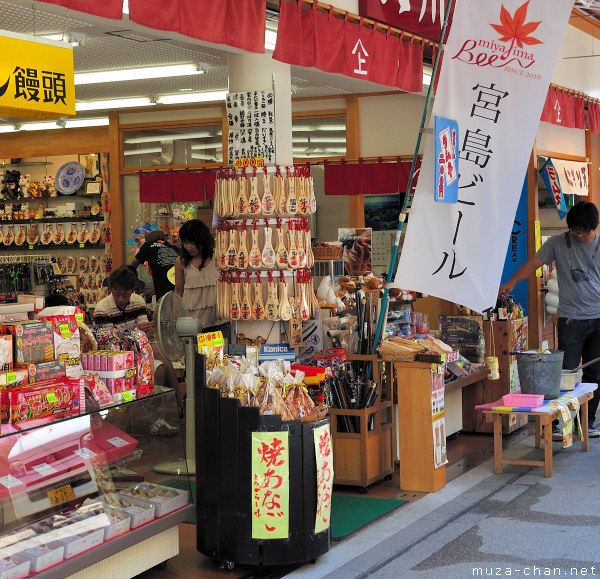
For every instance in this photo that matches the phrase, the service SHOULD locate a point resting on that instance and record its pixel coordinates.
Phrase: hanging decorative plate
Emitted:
(69, 177)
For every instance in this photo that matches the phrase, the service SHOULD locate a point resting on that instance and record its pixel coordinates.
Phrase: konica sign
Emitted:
(276, 352)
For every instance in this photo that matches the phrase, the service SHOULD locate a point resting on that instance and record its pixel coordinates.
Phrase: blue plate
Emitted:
(69, 177)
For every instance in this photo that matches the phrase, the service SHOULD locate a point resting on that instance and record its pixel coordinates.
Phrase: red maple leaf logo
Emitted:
(514, 29)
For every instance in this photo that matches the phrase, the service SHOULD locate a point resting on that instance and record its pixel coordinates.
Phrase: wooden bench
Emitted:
(543, 431)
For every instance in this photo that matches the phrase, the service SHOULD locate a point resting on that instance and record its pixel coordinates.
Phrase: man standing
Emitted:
(577, 264)
(160, 256)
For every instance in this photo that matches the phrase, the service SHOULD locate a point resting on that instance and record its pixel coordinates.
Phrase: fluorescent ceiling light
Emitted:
(427, 74)
(95, 122)
(217, 145)
(317, 128)
(7, 128)
(113, 104)
(143, 151)
(39, 126)
(310, 139)
(192, 97)
(203, 157)
(174, 137)
(136, 73)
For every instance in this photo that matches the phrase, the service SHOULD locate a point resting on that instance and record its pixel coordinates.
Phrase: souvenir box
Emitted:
(6, 352)
(14, 567)
(65, 332)
(14, 379)
(44, 556)
(46, 370)
(140, 512)
(33, 341)
(164, 499)
(76, 544)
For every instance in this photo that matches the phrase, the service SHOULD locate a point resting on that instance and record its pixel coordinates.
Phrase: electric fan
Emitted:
(176, 332)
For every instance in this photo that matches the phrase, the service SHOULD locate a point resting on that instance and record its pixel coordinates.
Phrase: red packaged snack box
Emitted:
(47, 398)
(33, 341)
(13, 379)
(6, 352)
(46, 370)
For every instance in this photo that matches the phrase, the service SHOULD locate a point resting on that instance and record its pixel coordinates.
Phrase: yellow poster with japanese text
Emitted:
(36, 77)
(270, 485)
(324, 456)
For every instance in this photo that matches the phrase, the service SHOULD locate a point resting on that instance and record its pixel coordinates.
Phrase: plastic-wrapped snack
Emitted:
(299, 403)
(268, 400)
(214, 378)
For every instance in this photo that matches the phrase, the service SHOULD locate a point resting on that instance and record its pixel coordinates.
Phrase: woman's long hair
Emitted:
(197, 232)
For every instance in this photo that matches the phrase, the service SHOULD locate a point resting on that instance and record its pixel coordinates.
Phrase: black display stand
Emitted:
(224, 483)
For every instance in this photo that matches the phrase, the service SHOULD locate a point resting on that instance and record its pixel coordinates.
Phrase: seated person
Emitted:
(123, 308)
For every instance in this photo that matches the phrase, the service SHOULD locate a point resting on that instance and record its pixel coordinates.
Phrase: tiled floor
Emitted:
(465, 452)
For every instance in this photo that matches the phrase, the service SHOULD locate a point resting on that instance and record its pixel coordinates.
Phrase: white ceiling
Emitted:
(111, 44)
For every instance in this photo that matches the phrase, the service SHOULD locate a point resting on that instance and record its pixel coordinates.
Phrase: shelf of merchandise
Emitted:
(137, 549)
(366, 456)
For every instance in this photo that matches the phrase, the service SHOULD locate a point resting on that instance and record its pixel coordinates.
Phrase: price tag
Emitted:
(9, 481)
(11, 377)
(117, 441)
(127, 397)
(64, 330)
(44, 469)
(81, 245)
(51, 397)
(60, 495)
(31, 247)
(84, 453)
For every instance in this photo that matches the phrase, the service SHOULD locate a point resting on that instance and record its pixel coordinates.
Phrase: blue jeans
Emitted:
(580, 341)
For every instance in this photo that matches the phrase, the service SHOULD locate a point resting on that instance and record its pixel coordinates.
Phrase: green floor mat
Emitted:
(350, 513)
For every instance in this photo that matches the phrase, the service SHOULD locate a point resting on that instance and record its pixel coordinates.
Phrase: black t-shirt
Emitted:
(160, 256)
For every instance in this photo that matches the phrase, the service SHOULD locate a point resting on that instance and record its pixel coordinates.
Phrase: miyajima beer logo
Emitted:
(508, 51)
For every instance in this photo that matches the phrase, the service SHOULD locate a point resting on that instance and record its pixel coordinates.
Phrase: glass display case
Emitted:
(84, 493)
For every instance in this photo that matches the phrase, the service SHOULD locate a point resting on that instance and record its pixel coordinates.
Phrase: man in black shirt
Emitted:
(160, 256)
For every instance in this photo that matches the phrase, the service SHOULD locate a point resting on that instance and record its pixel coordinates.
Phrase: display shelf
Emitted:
(368, 455)
(48, 248)
(90, 219)
(59, 480)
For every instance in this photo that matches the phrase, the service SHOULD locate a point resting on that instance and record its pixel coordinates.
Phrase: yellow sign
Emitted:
(61, 495)
(36, 77)
(211, 340)
(270, 485)
(538, 243)
(324, 456)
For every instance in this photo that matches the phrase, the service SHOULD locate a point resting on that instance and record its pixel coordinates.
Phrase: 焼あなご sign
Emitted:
(36, 77)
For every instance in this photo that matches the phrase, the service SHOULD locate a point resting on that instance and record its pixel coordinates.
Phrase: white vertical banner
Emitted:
(497, 67)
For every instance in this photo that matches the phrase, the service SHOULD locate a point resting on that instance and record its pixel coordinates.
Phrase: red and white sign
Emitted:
(309, 36)
(498, 63)
(423, 17)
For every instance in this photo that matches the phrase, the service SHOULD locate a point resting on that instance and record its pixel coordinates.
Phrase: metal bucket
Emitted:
(540, 373)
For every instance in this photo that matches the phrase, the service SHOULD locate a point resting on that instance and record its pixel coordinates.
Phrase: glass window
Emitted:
(173, 146)
(319, 137)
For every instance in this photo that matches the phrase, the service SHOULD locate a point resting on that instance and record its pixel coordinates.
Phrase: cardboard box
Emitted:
(46, 370)
(33, 341)
(120, 522)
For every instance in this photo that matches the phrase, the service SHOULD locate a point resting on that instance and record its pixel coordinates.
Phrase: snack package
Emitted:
(6, 352)
(67, 346)
(33, 341)
(44, 399)
(13, 378)
(46, 370)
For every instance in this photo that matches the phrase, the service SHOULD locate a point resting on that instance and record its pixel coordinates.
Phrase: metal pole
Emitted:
(402, 216)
